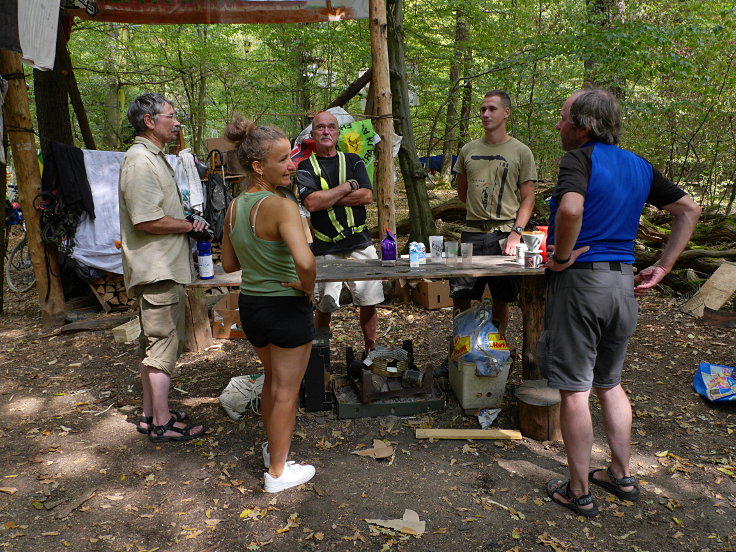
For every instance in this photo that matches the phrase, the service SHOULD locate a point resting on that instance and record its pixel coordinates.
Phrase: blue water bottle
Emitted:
(204, 260)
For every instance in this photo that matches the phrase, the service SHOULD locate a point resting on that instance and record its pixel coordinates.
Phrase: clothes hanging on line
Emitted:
(29, 27)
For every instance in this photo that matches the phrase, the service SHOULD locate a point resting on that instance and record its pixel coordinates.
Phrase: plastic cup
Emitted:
(466, 250)
(520, 248)
(451, 252)
(435, 248)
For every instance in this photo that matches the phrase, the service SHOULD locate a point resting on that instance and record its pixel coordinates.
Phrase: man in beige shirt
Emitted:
(157, 260)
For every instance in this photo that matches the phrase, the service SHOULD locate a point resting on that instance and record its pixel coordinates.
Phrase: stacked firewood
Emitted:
(110, 292)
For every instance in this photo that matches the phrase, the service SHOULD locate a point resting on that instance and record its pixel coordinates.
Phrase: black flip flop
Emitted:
(558, 487)
(614, 486)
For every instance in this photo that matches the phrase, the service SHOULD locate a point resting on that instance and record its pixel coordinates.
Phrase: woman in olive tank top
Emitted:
(265, 239)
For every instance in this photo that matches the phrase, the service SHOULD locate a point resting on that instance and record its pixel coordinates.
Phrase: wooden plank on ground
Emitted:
(468, 434)
(715, 292)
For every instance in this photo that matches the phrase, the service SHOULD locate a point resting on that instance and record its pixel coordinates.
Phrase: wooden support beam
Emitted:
(383, 124)
(19, 127)
(352, 90)
(468, 434)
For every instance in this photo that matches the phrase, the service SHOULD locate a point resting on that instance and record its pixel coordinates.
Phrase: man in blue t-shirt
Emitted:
(591, 306)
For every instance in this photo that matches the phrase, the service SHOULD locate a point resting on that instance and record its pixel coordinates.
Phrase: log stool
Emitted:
(539, 410)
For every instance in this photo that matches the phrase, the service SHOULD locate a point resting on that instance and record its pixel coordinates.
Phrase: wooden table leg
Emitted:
(531, 302)
(198, 329)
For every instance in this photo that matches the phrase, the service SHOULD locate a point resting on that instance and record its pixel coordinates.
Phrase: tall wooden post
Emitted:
(19, 127)
(383, 125)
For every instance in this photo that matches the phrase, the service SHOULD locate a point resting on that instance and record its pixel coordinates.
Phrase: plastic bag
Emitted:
(716, 383)
(243, 393)
(388, 248)
(477, 341)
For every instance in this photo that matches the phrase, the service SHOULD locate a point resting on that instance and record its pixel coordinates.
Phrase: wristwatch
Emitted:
(561, 261)
(518, 229)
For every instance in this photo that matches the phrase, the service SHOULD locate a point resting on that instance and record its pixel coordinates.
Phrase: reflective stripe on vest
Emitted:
(342, 233)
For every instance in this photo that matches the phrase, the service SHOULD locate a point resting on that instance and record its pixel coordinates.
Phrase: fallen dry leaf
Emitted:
(380, 450)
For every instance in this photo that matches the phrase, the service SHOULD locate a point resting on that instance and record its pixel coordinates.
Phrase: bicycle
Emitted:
(18, 269)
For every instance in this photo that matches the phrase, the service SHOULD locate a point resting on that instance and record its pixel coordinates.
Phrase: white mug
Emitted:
(532, 259)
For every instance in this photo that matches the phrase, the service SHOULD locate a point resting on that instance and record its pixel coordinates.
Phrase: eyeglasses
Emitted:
(169, 115)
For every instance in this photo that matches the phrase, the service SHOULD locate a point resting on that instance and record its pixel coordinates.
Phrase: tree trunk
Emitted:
(52, 102)
(414, 175)
(64, 66)
(384, 174)
(449, 147)
(603, 13)
(465, 113)
(301, 95)
(19, 127)
(114, 96)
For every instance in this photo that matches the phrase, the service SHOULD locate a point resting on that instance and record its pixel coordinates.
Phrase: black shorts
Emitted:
(284, 321)
(503, 288)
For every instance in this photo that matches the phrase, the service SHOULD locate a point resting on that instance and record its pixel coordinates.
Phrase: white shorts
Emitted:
(365, 292)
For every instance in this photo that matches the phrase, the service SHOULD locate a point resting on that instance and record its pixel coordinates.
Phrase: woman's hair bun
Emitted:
(238, 129)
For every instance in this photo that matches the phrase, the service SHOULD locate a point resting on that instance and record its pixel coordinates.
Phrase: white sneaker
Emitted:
(266, 456)
(294, 474)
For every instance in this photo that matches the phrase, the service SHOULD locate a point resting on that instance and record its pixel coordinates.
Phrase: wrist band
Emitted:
(561, 261)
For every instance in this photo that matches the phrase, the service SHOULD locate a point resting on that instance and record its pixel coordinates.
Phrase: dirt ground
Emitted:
(77, 476)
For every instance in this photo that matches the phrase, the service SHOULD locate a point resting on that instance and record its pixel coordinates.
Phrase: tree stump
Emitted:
(198, 334)
(539, 410)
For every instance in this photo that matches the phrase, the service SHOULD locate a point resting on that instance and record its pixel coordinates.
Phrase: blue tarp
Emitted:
(435, 162)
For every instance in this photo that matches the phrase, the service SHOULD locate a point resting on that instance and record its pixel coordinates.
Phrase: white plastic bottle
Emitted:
(204, 260)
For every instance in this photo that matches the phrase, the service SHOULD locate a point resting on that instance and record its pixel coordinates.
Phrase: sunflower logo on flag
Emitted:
(357, 138)
(353, 143)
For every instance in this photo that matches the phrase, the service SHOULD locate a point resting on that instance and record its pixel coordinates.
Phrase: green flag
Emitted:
(357, 138)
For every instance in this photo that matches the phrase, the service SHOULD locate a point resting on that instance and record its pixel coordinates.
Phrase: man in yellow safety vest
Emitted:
(335, 188)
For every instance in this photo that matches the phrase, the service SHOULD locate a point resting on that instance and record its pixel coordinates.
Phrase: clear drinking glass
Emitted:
(451, 252)
(435, 248)
(466, 250)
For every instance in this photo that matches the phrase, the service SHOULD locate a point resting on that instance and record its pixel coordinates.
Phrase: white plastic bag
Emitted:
(243, 393)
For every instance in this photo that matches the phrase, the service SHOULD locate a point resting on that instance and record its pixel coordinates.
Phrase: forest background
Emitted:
(671, 64)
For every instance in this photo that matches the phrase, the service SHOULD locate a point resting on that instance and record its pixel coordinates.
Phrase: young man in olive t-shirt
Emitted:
(496, 177)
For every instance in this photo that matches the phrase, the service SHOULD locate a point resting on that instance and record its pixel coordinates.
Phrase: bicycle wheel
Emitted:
(18, 269)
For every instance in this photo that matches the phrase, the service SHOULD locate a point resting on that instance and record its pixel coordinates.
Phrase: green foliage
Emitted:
(672, 65)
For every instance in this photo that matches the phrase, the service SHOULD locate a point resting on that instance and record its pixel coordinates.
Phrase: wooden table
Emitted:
(531, 298)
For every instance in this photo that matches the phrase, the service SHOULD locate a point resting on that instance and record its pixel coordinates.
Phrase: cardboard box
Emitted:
(433, 294)
(222, 144)
(226, 318)
(476, 392)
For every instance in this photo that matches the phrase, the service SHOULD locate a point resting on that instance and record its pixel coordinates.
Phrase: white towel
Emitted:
(188, 172)
(38, 21)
